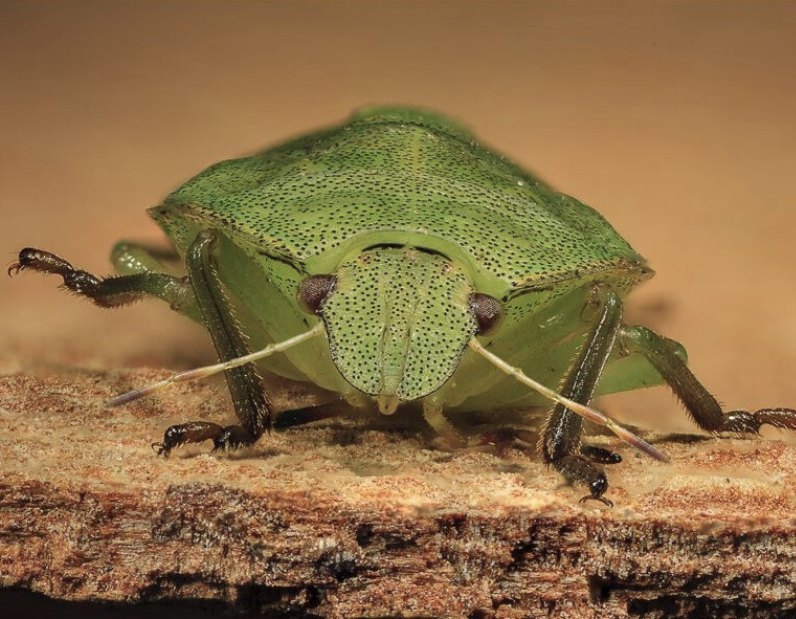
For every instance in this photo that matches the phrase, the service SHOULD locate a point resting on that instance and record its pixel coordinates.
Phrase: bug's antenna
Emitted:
(209, 370)
(584, 411)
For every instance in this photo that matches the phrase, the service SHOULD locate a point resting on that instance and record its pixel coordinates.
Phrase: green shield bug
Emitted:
(393, 259)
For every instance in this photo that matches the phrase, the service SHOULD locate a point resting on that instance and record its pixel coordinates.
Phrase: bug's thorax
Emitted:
(398, 322)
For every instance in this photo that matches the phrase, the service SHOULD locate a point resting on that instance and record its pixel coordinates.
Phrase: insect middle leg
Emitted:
(560, 442)
(703, 408)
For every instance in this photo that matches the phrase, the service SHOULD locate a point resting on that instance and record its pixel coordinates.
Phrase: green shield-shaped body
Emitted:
(412, 216)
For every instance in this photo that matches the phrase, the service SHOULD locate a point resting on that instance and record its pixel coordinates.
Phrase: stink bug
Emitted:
(394, 259)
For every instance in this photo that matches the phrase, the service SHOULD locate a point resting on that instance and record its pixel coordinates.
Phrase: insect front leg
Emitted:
(133, 285)
(245, 385)
(560, 440)
(700, 404)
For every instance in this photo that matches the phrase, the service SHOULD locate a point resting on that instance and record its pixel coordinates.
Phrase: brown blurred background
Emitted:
(676, 120)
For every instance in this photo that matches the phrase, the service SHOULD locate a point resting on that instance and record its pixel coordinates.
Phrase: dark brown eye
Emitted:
(488, 312)
(312, 292)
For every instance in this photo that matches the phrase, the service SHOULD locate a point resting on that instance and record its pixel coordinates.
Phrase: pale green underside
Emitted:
(404, 178)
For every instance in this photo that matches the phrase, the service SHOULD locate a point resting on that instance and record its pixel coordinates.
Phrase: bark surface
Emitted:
(354, 518)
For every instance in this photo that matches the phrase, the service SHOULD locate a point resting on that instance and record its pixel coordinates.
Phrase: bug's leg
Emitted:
(245, 385)
(504, 437)
(600, 455)
(560, 440)
(700, 404)
(191, 432)
(435, 417)
(131, 257)
(301, 416)
(111, 291)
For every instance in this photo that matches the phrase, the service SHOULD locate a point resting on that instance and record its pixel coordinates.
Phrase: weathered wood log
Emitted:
(342, 518)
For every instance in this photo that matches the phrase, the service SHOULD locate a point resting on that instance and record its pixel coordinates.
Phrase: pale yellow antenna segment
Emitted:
(209, 370)
(584, 411)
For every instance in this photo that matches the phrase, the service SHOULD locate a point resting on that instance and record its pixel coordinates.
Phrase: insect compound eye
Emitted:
(313, 290)
(488, 312)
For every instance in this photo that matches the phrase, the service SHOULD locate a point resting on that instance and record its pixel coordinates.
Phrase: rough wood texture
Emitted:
(343, 519)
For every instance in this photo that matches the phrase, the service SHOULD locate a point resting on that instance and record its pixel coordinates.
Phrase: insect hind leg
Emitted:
(703, 408)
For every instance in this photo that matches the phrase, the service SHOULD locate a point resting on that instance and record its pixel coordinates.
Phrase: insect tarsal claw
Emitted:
(601, 499)
(15, 268)
(161, 449)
